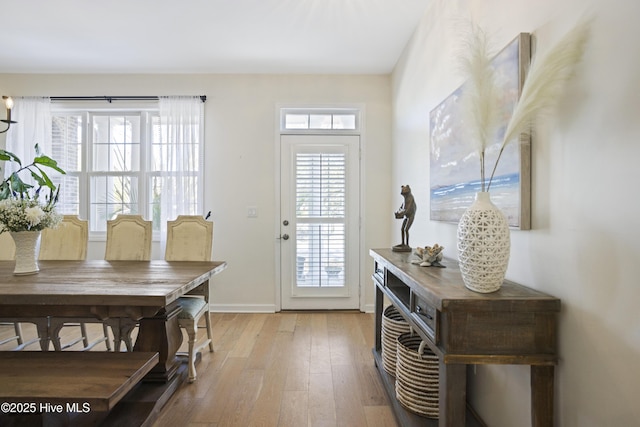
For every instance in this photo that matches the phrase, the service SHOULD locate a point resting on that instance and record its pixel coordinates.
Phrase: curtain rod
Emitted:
(109, 99)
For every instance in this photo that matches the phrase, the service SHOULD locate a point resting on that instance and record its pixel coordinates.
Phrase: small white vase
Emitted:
(27, 245)
(484, 244)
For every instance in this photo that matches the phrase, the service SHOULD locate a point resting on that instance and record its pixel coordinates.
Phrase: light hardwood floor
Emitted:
(286, 369)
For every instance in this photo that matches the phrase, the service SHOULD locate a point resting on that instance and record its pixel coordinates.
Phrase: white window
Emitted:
(296, 119)
(116, 163)
(320, 217)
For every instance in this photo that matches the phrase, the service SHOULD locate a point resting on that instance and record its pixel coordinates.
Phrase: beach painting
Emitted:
(455, 167)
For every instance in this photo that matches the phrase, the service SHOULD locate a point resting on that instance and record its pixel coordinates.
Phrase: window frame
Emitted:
(146, 110)
(337, 111)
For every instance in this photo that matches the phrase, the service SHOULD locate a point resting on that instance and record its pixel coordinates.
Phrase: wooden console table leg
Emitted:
(379, 302)
(542, 396)
(453, 394)
(161, 333)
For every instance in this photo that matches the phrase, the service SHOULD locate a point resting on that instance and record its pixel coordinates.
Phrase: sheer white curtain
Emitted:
(181, 124)
(33, 115)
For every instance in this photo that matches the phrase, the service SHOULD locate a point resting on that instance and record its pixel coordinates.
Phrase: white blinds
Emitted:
(320, 219)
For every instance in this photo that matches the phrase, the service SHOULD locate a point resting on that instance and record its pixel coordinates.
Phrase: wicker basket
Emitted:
(417, 378)
(393, 325)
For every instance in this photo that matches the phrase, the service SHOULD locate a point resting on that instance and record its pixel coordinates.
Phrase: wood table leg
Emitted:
(453, 394)
(379, 303)
(542, 396)
(161, 333)
(42, 326)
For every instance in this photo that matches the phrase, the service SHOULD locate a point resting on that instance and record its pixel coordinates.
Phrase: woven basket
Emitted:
(417, 378)
(393, 325)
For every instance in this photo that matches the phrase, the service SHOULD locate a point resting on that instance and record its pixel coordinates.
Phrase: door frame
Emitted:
(361, 197)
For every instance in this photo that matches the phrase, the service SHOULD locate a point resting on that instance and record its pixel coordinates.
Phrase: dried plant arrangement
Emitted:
(541, 91)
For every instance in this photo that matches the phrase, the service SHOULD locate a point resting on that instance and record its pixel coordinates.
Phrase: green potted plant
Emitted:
(27, 209)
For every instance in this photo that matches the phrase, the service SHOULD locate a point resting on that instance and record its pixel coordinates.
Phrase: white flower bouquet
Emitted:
(26, 207)
(27, 215)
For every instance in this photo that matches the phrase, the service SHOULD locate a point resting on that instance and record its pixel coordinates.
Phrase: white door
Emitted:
(319, 222)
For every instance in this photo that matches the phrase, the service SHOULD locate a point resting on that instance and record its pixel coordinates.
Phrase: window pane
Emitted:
(66, 149)
(66, 138)
(124, 157)
(100, 157)
(320, 121)
(69, 195)
(116, 144)
(101, 130)
(183, 154)
(112, 196)
(184, 190)
(320, 185)
(158, 144)
(344, 121)
(320, 254)
(155, 188)
(296, 121)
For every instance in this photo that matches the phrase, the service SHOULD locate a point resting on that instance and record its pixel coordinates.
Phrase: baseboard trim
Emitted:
(259, 308)
(369, 308)
(242, 308)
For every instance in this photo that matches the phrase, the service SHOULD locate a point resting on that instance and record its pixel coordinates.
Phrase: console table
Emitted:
(515, 325)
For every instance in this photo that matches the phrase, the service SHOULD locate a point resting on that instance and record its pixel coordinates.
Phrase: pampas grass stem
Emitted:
(480, 101)
(544, 84)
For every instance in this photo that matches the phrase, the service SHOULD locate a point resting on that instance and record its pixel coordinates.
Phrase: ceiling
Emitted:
(206, 36)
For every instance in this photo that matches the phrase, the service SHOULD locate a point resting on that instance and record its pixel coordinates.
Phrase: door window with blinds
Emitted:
(319, 222)
(320, 219)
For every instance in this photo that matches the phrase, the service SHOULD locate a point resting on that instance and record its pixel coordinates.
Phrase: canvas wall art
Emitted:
(455, 167)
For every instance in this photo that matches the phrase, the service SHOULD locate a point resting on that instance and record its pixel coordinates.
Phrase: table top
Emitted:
(445, 290)
(154, 283)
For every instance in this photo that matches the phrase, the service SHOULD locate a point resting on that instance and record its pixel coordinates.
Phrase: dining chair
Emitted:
(8, 253)
(69, 241)
(128, 239)
(17, 334)
(190, 238)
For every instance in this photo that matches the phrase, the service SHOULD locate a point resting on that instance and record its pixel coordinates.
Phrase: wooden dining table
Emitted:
(143, 291)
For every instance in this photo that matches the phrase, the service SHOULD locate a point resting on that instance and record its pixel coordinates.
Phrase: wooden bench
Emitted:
(71, 384)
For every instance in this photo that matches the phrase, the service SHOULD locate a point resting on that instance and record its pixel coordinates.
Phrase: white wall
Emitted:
(585, 243)
(241, 128)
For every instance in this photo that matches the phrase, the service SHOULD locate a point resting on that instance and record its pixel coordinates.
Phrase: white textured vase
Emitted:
(484, 245)
(27, 244)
